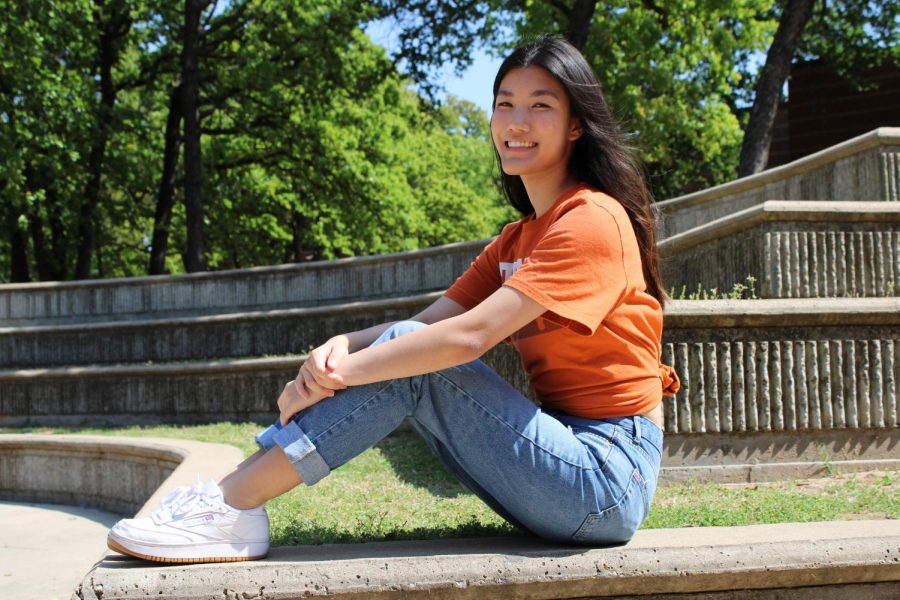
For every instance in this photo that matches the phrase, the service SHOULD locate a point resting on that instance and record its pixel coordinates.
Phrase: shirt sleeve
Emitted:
(577, 270)
(480, 280)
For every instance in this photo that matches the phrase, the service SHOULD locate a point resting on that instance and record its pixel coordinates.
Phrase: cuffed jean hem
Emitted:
(300, 451)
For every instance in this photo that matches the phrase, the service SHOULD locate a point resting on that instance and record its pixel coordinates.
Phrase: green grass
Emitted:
(398, 490)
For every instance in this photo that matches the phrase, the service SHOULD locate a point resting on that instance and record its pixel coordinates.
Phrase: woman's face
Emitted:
(531, 125)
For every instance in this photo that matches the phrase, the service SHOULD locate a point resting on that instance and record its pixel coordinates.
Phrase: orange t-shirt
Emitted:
(595, 353)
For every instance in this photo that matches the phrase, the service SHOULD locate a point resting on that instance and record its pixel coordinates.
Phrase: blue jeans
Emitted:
(564, 478)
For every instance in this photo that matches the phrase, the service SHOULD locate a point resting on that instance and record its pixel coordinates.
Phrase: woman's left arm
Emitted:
(444, 344)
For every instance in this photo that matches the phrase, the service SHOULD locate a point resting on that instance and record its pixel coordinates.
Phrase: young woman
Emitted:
(574, 284)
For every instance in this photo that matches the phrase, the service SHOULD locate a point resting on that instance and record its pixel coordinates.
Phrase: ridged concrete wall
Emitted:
(265, 333)
(229, 390)
(283, 286)
(865, 168)
(792, 249)
(795, 260)
(745, 366)
(784, 385)
(822, 263)
(772, 366)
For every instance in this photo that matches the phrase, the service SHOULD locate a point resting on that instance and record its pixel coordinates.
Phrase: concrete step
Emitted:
(801, 561)
(765, 365)
(246, 334)
(793, 249)
(866, 168)
(241, 290)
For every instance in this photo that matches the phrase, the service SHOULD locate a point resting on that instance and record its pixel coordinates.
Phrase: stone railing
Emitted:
(863, 168)
(794, 249)
(282, 286)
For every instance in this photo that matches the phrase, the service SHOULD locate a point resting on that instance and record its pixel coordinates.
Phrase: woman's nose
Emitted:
(518, 121)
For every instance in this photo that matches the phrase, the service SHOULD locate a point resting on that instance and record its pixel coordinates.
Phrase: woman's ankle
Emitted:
(237, 498)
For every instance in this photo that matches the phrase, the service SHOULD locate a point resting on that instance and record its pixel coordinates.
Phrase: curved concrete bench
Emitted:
(858, 559)
(118, 474)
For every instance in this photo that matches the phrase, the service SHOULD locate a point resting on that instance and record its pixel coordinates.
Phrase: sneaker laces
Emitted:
(184, 499)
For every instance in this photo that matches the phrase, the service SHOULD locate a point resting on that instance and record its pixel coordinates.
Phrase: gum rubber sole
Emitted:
(114, 545)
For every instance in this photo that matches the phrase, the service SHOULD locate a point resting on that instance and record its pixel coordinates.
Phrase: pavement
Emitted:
(46, 549)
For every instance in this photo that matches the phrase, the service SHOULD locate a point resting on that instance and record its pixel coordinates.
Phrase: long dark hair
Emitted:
(601, 158)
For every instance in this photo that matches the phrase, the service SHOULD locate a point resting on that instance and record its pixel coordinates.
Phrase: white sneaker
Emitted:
(194, 525)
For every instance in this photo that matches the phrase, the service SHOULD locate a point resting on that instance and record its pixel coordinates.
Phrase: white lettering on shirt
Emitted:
(507, 269)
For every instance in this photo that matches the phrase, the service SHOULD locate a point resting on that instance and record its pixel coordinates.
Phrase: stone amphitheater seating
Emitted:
(154, 349)
(772, 388)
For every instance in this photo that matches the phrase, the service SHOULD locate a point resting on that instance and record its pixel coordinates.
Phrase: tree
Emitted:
(47, 90)
(112, 22)
(680, 75)
(668, 69)
(307, 143)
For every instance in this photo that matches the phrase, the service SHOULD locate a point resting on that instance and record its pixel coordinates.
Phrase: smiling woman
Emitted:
(534, 133)
(573, 284)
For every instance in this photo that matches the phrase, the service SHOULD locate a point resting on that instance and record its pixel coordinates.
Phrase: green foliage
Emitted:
(670, 75)
(853, 35)
(680, 75)
(313, 146)
(738, 292)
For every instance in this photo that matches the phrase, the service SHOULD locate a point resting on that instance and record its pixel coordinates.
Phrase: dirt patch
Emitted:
(817, 485)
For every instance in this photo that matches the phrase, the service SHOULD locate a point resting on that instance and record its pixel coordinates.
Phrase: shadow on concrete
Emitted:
(513, 545)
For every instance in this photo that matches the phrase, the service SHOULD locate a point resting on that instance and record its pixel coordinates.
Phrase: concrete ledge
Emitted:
(744, 365)
(799, 211)
(280, 286)
(777, 455)
(862, 168)
(756, 560)
(256, 333)
(806, 249)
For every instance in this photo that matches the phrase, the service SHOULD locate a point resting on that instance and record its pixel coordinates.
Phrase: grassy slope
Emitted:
(398, 490)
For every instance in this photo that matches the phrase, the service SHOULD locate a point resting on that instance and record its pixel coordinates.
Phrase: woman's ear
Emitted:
(575, 129)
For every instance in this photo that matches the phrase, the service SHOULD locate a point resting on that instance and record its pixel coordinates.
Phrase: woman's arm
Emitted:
(440, 309)
(451, 341)
(315, 380)
(446, 343)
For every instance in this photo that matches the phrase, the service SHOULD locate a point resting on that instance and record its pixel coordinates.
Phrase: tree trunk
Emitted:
(195, 254)
(299, 226)
(49, 258)
(758, 135)
(580, 17)
(112, 29)
(166, 199)
(18, 255)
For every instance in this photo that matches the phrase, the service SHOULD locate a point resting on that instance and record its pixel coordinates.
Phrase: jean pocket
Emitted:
(618, 522)
(598, 445)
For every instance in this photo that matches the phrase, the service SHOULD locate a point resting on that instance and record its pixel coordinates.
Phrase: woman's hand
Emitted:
(290, 402)
(317, 371)
(316, 379)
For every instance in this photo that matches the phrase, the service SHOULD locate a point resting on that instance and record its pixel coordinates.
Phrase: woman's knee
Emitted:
(397, 329)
